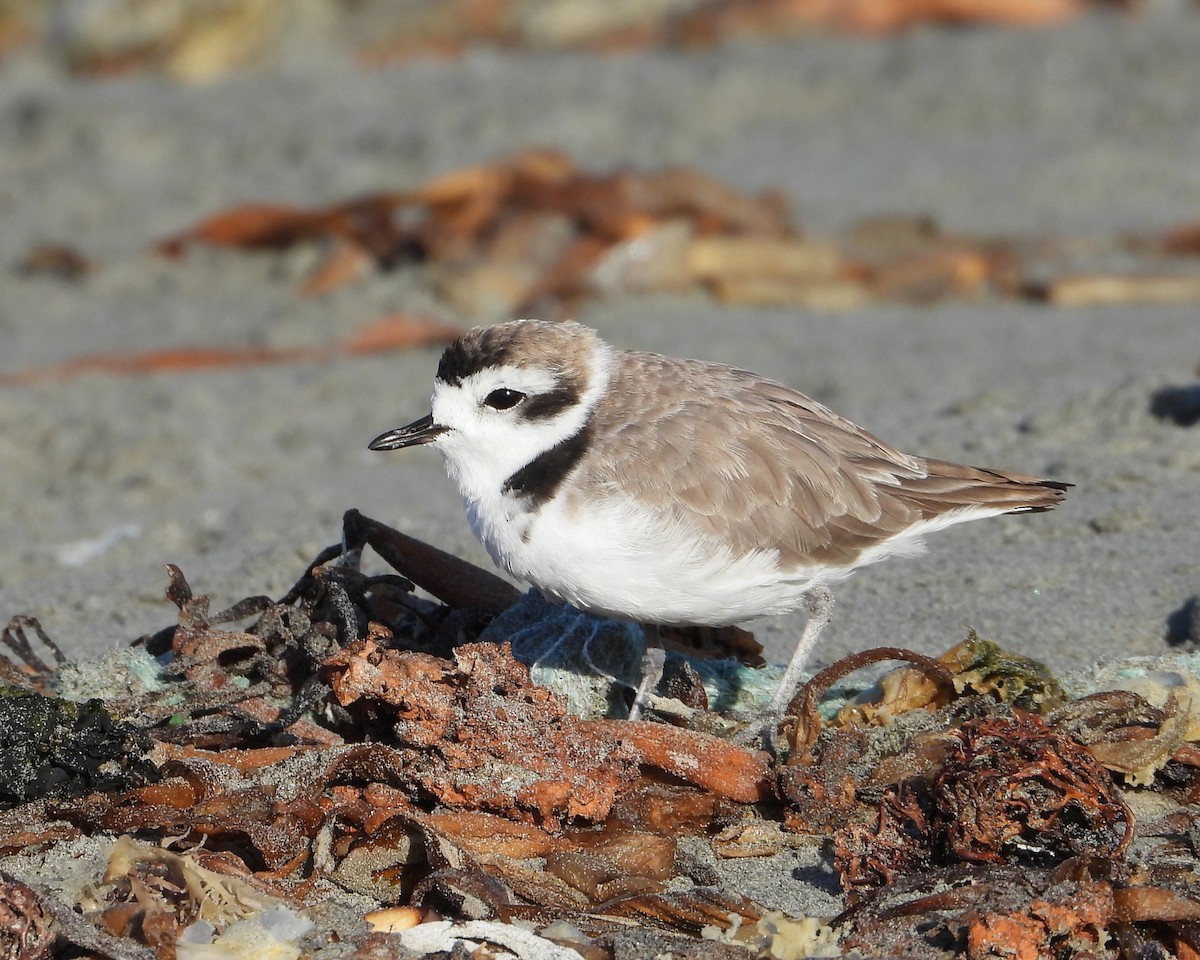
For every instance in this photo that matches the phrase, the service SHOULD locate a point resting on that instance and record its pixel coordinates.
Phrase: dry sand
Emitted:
(1084, 130)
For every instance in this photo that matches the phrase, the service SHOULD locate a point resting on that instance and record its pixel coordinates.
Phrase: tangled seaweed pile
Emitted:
(356, 760)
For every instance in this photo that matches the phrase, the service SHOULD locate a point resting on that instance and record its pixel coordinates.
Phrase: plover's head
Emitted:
(506, 394)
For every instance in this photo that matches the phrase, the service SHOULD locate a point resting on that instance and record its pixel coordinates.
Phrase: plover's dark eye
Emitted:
(503, 399)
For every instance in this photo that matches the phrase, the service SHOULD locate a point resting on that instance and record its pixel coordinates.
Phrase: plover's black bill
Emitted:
(416, 433)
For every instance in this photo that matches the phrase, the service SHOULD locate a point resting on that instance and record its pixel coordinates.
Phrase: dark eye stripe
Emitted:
(544, 406)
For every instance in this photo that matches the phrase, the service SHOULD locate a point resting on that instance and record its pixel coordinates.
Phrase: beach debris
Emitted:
(751, 838)
(1182, 240)
(77, 553)
(1110, 289)
(688, 24)
(526, 232)
(724, 768)
(357, 739)
(56, 748)
(455, 582)
(476, 734)
(202, 41)
(162, 893)
(1128, 735)
(387, 333)
(1180, 405)
(25, 929)
(803, 708)
(268, 936)
(55, 260)
(1183, 624)
(30, 672)
(975, 666)
(474, 938)
(534, 233)
(1080, 907)
(1008, 790)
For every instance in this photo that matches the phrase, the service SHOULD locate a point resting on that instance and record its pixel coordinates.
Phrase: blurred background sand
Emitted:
(1086, 129)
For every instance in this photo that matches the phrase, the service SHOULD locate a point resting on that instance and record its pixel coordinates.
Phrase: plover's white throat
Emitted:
(670, 491)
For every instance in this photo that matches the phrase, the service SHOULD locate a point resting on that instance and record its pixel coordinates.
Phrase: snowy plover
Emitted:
(668, 491)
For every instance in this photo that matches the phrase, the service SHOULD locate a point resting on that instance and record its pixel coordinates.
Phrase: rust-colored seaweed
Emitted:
(355, 734)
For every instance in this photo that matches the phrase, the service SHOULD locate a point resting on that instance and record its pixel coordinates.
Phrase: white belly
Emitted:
(612, 559)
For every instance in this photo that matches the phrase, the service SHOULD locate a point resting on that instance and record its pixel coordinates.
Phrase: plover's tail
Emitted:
(955, 486)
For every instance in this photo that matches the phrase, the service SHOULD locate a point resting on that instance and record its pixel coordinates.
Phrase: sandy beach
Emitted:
(239, 476)
(1085, 131)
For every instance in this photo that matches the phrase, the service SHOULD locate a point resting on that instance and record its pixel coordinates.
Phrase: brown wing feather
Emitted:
(792, 474)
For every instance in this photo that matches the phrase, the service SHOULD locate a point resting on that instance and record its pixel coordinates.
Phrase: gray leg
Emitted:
(820, 610)
(654, 660)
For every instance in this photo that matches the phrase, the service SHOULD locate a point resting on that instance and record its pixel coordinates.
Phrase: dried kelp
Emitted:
(532, 233)
(354, 738)
(203, 41)
(55, 748)
(536, 234)
(476, 734)
(1081, 907)
(1007, 789)
(30, 672)
(25, 932)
